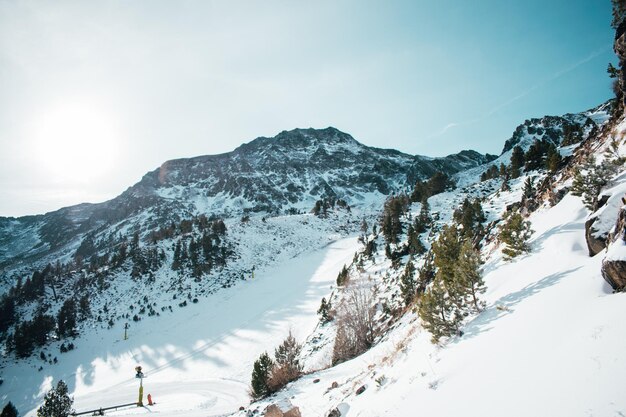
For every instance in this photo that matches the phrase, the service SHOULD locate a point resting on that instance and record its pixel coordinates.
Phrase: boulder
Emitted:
(334, 413)
(294, 412)
(614, 272)
(273, 411)
(595, 244)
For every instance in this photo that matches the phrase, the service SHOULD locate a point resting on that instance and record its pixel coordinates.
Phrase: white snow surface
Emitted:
(550, 343)
(198, 360)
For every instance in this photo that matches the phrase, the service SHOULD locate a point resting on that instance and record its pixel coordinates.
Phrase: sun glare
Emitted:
(76, 142)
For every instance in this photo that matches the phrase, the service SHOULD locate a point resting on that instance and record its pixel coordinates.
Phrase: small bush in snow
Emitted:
(515, 233)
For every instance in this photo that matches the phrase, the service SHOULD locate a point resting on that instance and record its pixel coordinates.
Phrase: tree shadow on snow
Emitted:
(505, 305)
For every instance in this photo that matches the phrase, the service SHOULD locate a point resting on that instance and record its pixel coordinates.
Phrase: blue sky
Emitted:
(95, 94)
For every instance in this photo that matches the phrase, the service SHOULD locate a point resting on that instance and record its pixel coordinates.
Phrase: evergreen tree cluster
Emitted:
(572, 133)
(9, 410)
(457, 284)
(324, 205)
(436, 184)
(88, 271)
(271, 375)
(30, 334)
(542, 154)
(57, 402)
(591, 178)
(470, 217)
(66, 319)
(515, 233)
(619, 12)
(494, 172)
(200, 254)
(391, 223)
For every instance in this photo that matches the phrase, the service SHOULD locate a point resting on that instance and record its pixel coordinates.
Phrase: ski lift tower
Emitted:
(139, 374)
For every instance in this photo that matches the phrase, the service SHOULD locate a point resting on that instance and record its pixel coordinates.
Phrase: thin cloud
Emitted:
(523, 94)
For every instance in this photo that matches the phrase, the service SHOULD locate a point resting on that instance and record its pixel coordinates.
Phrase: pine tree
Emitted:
(176, 260)
(66, 319)
(287, 366)
(470, 216)
(590, 179)
(515, 233)
(57, 402)
(343, 276)
(438, 312)
(424, 216)
(260, 374)
(426, 273)
(517, 161)
(505, 183)
(408, 283)
(9, 410)
(534, 156)
(324, 311)
(553, 160)
(529, 189)
(469, 276)
(446, 252)
(415, 245)
(619, 12)
(364, 228)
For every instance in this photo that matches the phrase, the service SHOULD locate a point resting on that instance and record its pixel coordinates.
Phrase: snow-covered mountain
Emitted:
(288, 172)
(213, 260)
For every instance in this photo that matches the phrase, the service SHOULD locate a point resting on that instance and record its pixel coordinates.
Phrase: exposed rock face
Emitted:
(614, 269)
(595, 244)
(289, 171)
(619, 46)
(614, 272)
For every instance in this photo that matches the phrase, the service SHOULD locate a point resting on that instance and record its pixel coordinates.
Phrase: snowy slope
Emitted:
(547, 344)
(198, 360)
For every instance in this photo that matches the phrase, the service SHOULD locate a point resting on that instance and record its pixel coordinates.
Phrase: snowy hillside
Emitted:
(205, 296)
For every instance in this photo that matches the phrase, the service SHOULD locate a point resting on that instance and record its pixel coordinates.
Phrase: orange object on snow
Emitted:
(149, 399)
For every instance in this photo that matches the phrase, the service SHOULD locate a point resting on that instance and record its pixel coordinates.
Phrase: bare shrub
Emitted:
(355, 325)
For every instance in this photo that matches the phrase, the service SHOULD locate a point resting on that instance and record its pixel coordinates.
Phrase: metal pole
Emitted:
(140, 402)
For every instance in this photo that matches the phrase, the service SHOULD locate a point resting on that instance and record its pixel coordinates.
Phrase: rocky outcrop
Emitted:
(614, 272)
(595, 244)
(614, 265)
(619, 46)
(275, 411)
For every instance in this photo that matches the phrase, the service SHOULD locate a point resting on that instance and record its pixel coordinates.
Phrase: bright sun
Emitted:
(76, 142)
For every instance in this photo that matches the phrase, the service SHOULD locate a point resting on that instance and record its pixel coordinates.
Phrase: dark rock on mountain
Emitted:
(595, 244)
(559, 130)
(614, 272)
(289, 171)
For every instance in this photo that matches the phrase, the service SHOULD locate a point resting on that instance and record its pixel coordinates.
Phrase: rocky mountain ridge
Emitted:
(290, 171)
